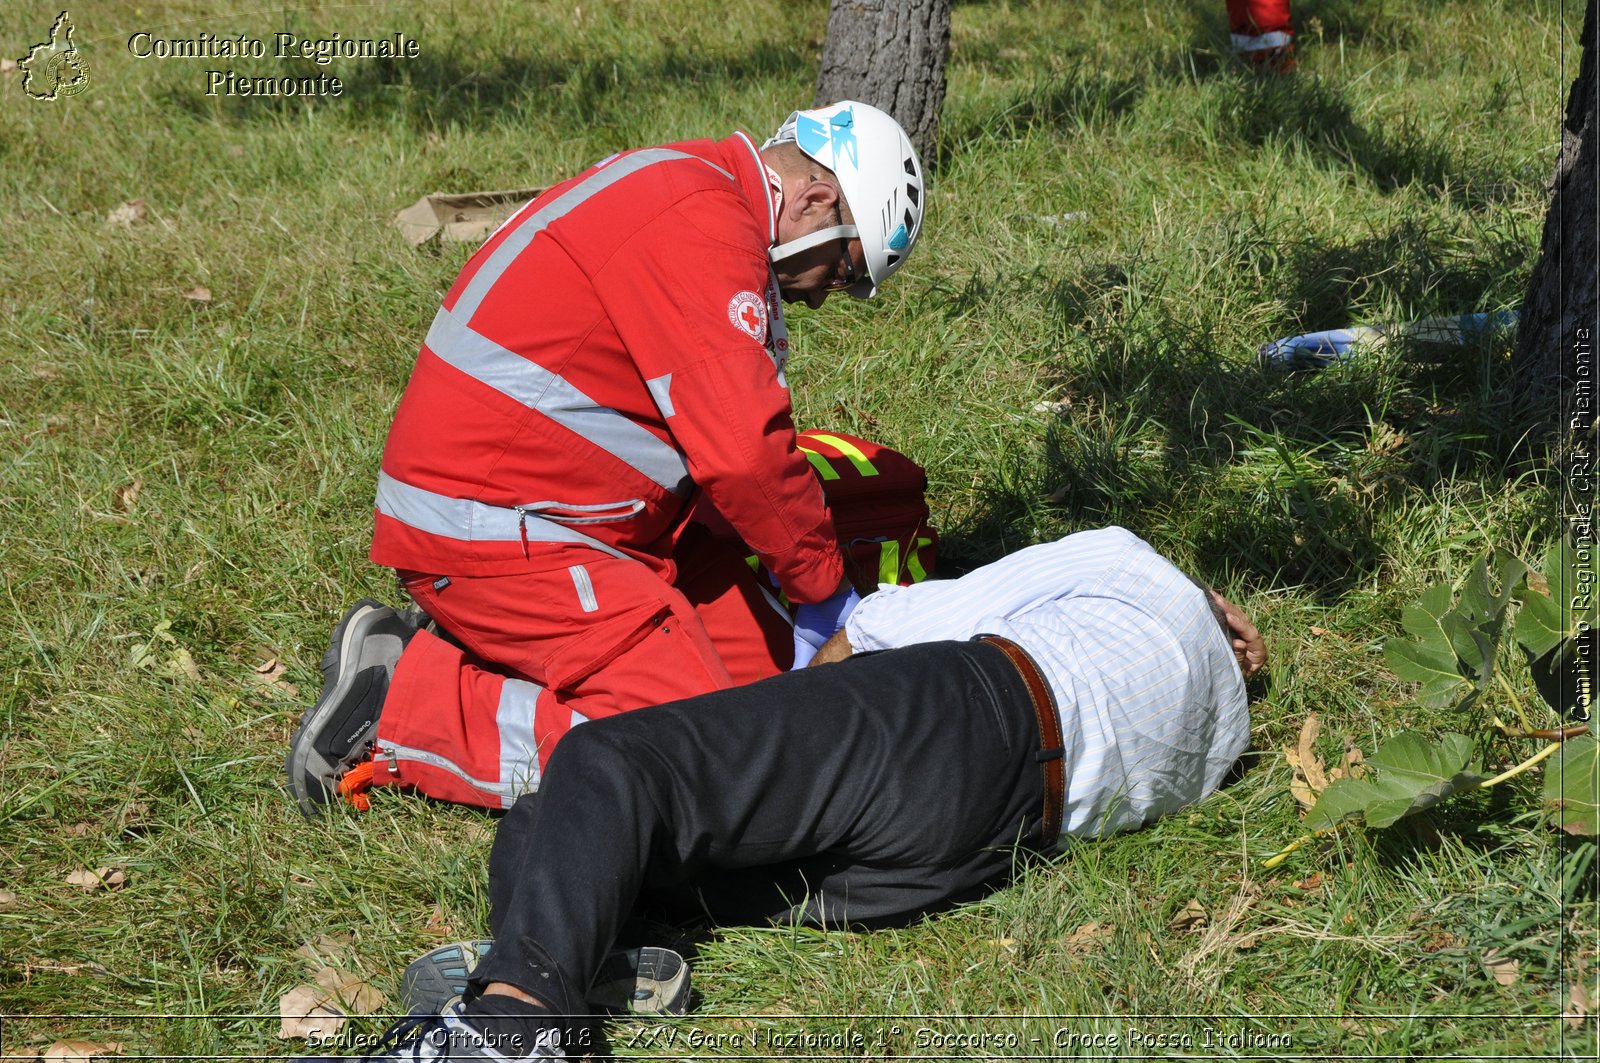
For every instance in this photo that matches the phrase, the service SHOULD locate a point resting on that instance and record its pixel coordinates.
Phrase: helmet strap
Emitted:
(779, 252)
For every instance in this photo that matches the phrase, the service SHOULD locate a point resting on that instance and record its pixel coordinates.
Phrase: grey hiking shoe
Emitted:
(338, 732)
(640, 981)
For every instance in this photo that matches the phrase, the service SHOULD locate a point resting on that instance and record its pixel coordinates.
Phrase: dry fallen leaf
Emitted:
(307, 1011)
(111, 878)
(270, 673)
(436, 926)
(1582, 1005)
(1352, 764)
(1309, 780)
(1440, 940)
(1537, 581)
(323, 949)
(133, 815)
(198, 294)
(7, 65)
(62, 1051)
(1318, 631)
(1505, 970)
(1310, 763)
(1192, 917)
(127, 214)
(8, 900)
(182, 664)
(350, 990)
(123, 498)
(1087, 936)
(1310, 882)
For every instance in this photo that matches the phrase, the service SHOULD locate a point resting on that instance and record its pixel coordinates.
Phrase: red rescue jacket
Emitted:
(614, 346)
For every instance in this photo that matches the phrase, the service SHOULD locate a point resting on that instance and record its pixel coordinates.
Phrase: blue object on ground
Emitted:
(1316, 350)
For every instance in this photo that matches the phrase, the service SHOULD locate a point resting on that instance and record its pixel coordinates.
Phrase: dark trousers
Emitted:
(859, 793)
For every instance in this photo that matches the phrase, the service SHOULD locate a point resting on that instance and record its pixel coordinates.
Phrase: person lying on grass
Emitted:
(1075, 688)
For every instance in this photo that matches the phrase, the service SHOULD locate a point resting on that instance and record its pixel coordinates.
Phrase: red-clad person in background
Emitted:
(1261, 32)
(609, 360)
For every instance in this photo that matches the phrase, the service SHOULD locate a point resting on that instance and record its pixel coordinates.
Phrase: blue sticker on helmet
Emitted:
(899, 239)
(810, 134)
(830, 143)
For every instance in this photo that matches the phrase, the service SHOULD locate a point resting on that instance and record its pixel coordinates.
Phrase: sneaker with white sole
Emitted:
(339, 731)
(638, 981)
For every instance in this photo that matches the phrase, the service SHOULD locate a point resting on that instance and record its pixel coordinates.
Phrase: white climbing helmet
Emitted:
(879, 175)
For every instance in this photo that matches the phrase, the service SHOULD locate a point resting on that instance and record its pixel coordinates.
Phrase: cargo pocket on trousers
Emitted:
(578, 658)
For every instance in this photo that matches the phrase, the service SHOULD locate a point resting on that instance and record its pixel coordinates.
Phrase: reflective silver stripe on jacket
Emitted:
(472, 521)
(519, 239)
(537, 388)
(661, 390)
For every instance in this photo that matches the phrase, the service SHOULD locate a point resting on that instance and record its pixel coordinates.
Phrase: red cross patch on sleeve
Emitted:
(748, 313)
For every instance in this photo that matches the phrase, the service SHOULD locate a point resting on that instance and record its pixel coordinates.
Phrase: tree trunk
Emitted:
(891, 54)
(1555, 342)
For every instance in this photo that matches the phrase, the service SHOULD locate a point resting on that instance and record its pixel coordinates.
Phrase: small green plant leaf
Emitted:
(1475, 624)
(1413, 773)
(1555, 626)
(1454, 640)
(1546, 619)
(1572, 786)
(1559, 676)
(1541, 622)
(1428, 656)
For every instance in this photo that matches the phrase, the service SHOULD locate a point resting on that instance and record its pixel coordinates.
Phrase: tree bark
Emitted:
(891, 54)
(1556, 339)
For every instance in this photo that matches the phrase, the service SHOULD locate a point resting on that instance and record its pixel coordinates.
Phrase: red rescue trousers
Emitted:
(1261, 32)
(585, 636)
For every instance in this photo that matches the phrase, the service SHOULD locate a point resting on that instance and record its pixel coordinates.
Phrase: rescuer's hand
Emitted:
(816, 624)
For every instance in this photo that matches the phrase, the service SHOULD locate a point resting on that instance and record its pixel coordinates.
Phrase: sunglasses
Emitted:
(845, 276)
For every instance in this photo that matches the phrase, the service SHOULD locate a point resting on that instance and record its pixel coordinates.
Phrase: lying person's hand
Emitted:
(1249, 648)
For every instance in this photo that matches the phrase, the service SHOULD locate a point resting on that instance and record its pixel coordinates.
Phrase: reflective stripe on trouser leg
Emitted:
(457, 731)
(519, 750)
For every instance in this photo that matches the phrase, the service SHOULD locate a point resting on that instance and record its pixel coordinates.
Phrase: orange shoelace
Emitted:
(354, 784)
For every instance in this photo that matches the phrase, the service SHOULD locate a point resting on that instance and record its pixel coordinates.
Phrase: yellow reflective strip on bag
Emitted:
(889, 561)
(755, 564)
(849, 450)
(820, 463)
(914, 563)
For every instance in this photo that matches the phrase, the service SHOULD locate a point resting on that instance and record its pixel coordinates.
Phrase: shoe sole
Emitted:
(304, 765)
(641, 981)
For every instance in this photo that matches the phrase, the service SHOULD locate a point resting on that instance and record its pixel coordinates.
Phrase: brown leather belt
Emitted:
(1051, 748)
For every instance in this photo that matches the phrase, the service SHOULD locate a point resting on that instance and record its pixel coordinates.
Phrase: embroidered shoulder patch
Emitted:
(747, 312)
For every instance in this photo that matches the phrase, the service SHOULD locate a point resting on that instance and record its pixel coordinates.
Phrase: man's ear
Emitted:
(809, 197)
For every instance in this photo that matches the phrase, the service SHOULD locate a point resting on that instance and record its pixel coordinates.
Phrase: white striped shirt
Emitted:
(1153, 710)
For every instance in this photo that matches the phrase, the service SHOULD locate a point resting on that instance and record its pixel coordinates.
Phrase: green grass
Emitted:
(1119, 216)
